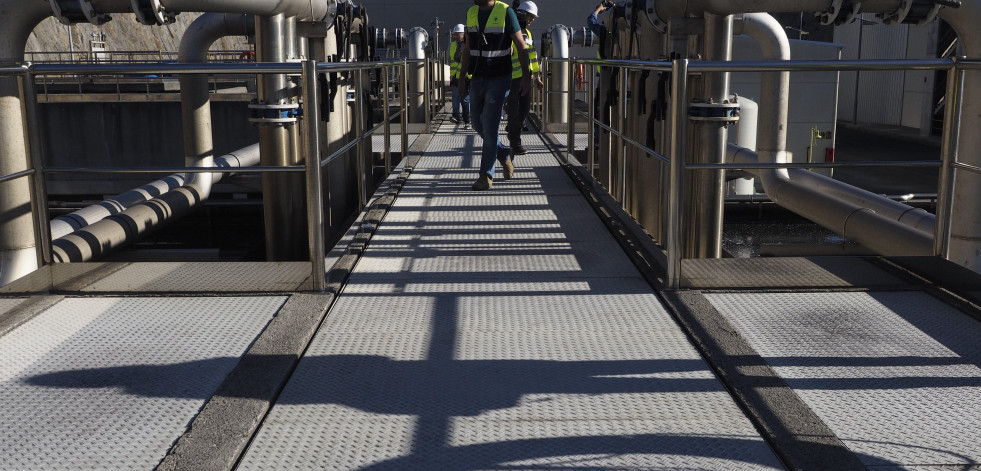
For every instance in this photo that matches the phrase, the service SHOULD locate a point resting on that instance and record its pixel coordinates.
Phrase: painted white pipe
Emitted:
(64, 225)
(965, 244)
(199, 148)
(558, 100)
(746, 132)
(418, 40)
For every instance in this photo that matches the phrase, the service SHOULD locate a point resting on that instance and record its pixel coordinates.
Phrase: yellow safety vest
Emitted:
(532, 57)
(490, 48)
(454, 60)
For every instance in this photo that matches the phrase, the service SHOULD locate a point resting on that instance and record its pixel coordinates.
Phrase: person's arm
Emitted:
(464, 66)
(518, 39)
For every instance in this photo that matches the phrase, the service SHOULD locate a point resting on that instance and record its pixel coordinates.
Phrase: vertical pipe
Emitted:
(388, 124)
(560, 50)
(949, 151)
(571, 110)
(39, 202)
(280, 206)
(315, 201)
(621, 143)
(679, 124)
(404, 106)
(427, 102)
(359, 135)
(590, 131)
(18, 255)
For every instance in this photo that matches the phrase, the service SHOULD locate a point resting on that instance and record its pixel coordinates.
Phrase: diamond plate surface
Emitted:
(894, 374)
(378, 141)
(6, 304)
(785, 272)
(110, 383)
(205, 277)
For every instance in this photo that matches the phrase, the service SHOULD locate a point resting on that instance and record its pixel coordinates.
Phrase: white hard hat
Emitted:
(529, 7)
(459, 28)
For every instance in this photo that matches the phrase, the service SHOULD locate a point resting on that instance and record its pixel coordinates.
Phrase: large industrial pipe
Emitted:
(64, 225)
(199, 148)
(558, 100)
(418, 39)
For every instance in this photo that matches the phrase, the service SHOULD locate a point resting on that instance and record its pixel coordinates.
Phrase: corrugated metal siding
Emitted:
(881, 93)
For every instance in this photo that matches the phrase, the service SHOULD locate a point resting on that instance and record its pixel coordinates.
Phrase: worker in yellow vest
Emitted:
(492, 30)
(519, 105)
(459, 99)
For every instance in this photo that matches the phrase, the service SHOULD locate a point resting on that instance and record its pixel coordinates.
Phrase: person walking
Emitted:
(492, 30)
(460, 99)
(519, 106)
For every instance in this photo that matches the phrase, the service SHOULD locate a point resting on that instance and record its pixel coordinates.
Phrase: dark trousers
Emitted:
(518, 107)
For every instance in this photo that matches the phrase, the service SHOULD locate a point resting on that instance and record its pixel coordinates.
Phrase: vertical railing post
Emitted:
(404, 106)
(571, 138)
(388, 124)
(591, 122)
(315, 201)
(427, 101)
(546, 94)
(676, 190)
(948, 155)
(359, 135)
(39, 199)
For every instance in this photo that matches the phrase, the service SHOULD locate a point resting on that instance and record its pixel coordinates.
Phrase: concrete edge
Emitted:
(25, 311)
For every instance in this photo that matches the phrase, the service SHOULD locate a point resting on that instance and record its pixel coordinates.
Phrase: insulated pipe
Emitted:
(667, 9)
(861, 224)
(64, 225)
(195, 96)
(774, 86)
(746, 131)
(558, 101)
(418, 39)
(965, 229)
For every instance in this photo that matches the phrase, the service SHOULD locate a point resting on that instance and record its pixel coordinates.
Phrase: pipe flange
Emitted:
(151, 12)
(848, 12)
(562, 27)
(265, 113)
(828, 17)
(725, 112)
(899, 15)
(646, 9)
(380, 41)
(918, 12)
(77, 11)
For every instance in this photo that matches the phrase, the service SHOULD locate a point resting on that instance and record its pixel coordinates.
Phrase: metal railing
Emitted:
(308, 71)
(681, 71)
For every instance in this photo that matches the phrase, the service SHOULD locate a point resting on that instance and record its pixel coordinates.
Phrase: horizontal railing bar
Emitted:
(252, 169)
(193, 68)
(900, 163)
(15, 176)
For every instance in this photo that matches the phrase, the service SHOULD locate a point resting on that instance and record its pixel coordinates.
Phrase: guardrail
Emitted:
(681, 70)
(308, 71)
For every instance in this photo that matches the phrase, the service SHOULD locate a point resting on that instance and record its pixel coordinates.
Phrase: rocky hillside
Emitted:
(123, 33)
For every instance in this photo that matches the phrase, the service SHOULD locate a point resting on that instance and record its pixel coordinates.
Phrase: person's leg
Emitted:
(490, 123)
(466, 106)
(456, 103)
(478, 87)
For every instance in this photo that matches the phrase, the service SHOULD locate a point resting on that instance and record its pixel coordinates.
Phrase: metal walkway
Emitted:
(499, 330)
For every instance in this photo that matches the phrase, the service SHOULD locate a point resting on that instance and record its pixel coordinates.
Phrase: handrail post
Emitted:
(590, 133)
(39, 201)
(404, 105)
(359, 135)
(547, 74)
(388, 125)
(676, 190)
(571, 138)
(315, 202)
(948, 155)
(427, 102)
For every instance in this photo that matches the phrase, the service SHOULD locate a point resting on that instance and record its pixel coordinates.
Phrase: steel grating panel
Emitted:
(6, 304)
(205, 277)
(524, 375)
(110, 383)
(894, 374)
(378, 141)
(785, 272)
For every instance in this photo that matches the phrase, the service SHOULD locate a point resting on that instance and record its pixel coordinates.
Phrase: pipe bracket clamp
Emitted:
(151, 12)
(715, 112)
(264, 113)
(77, 11)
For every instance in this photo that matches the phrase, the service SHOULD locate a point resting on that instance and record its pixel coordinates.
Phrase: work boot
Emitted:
(483, 182)
(518, 149)
(508, 169)
(454, 119)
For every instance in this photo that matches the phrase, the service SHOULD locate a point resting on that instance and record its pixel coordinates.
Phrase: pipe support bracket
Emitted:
(151, 12)
(77, 11)
(264, 113)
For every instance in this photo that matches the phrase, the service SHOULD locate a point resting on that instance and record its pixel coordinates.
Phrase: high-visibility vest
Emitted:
(532, 57)
(454, 60)
(489, 47)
